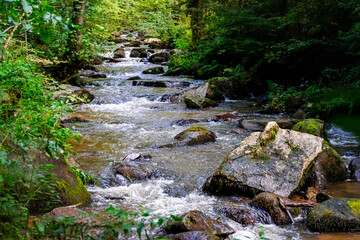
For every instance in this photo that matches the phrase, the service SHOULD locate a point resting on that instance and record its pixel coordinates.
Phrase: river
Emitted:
(125, 119)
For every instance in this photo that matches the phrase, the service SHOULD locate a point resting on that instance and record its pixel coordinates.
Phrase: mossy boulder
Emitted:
(193, 235)
(279, 161)
(198, 102)
(154, 70)
(231, 88)
(119, 53)
(335, 215)
(159, 57)
(202, 96)
(198, 221)
(311, 126)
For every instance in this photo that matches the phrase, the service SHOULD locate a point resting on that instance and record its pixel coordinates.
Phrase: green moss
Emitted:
(355, 207)
(273, 134)
(191, 103)
(73, 195)
(196, 129)
(294, 148)
(311, 126)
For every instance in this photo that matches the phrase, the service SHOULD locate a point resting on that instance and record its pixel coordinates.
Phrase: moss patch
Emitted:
(73, 195)
(355, 207)
(311, 126)
(196, 129)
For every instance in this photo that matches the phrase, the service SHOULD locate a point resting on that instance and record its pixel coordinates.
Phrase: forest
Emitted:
(231, 66)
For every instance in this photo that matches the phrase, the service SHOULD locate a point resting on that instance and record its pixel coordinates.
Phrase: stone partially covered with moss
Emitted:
(73, 94)
(193, 136)
(335, 215)
(276, 160)
(201, 97)
(311, 126)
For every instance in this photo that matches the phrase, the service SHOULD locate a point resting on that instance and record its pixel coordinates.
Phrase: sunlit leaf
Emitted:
(26, 6)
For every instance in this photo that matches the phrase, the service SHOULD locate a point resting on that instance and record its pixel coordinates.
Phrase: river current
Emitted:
(125, 119)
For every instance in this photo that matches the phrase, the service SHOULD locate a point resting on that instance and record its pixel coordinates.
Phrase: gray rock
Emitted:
(159, 57)
(260, 124)
(119, 53)
(193, 235)
(73, 94)
(335, 215)
(198, 221)
(276, 160)
(354, 168)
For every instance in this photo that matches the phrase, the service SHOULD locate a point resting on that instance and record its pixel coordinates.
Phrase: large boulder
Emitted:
(159, 57)
(335, 215)
(311, 126)
(198, 221)
(154, 70)
(119, 53)
(192, 136)
(276, 160)
(73, 94)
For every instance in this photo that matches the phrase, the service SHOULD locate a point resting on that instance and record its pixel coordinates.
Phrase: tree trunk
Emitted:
(195, 7)
(75, 39)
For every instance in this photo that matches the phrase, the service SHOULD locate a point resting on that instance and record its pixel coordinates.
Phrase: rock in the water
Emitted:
(154, 70)
(133, 171)
(120, 40)
(193, 235)
(260, 124)
(157, 84)
(269, 202)
(136, 157)
(335, 215)
(184, 122)
(197, 102)
(311, 126)
(119, 53)
(199, 97)
(354, 168)
(138, 53)
(276, 160)
(241, 214)
(134, 78)
(159, 57)
(134, 43)
(198, 221)
(73, 94)
(174, 72)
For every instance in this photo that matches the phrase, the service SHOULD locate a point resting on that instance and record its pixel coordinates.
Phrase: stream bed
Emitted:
(125, 119)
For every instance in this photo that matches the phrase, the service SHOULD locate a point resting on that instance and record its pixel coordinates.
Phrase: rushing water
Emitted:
(125, 119)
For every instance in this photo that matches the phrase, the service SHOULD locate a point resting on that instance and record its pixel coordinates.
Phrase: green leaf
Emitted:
(175, 218)
(27, 8)
(110, 209)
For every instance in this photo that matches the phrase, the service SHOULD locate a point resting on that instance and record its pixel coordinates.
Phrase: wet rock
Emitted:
(227, 116)
(67, 212)
(354, 168)
(174, 72)
(184, 122)
(134, 78)
(73, 94)
(198, 221)
(193, 235)
(335, 215)
(120, 40)
(159, 57)
(73, 119)
(192, 136)
(137, 157)
(134, 43)
(232, 89)
(119, 53)
(154, 70)
(199, 97)
(133, 171)
(260, 124)
(138, 53)
(157, 84)
(198, 102)
(276, 160)
(241, 214)
(269, 202)
(311, 126)
(322, 197)
(150, 51)
(174, 98)
(97, 75)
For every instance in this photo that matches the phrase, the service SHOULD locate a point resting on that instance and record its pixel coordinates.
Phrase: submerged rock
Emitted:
(154, 70)
(198, 221)
(311, 126)
(73, 94)
(276, 160)
(335, 215)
